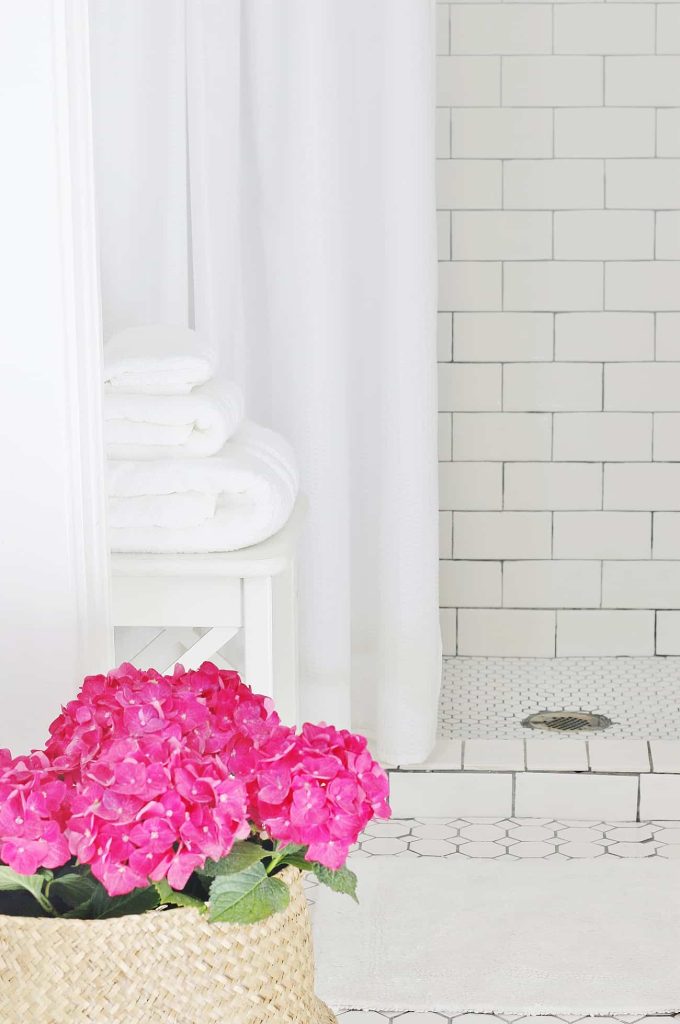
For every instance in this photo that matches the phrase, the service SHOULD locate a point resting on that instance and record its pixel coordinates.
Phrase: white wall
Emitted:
(559, 191)
(53, 598)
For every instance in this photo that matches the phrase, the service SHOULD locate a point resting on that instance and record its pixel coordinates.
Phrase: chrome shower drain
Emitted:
(567, 721)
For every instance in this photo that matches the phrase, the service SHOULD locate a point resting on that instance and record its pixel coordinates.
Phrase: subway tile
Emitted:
(643, 387)
(604, 235)
(442, 132)
(667, 639)
(609, 337)
(642, 81)
(447, 755)
(450, 795)
(443, 235)
(668, 336)
(481, 437)
(602, 437)
(660, 797)
(494, 755)
(469, 286)
(468, 81)
(469, 183)
(469, 584)
(506, 132)
(466, 387)
(666, 535)
(668, 28)
(444, 337)
(551, 755)
(558, 286)
(501, 235)
(654, 486)
(585, 797)
(643, 184)
(550, 81)
(551, 584)
(442, 29)
(553, 184)
(665, 754)
(642, 285)
(667, 437)
(626, 755)
(604, 28)
(641, 585)
(668, 234)
(447, 625)
(602, 535)
(541, 387)
(605, 633)
(444, 437)
(668, 132)
(506, 632)
(553, 485)
(503, 337)
(480, 535)
(471, 486)
(604, 132)
(445, 535)
(520, 28)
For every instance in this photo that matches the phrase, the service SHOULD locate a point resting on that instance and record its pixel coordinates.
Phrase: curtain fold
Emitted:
(313, 269)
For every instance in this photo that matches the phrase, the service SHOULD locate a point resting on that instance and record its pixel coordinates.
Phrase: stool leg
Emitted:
(286, 646)
(258, 634)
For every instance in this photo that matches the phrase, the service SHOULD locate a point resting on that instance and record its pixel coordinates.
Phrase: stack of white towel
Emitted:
(186, 471)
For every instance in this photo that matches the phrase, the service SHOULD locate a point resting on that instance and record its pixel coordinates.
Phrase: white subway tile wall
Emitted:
(558, 183)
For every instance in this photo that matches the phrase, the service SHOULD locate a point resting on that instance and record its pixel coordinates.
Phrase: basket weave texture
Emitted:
(163, 967)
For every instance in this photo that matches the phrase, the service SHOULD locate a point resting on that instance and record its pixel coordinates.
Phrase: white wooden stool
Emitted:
(253, 590)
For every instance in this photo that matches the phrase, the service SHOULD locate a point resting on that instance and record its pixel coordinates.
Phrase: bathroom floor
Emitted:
(510, 839)
(487, 698)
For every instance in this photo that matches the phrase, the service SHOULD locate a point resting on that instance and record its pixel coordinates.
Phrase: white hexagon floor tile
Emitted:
(487, 698)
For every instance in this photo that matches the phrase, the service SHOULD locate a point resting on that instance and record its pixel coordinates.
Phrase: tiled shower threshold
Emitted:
(486, 763)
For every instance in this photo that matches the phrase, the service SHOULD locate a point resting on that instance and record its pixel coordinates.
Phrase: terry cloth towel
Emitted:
(180, 426)
(239, 497)
(157, 360)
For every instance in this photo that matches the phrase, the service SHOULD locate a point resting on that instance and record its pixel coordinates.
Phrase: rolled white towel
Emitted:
(252, 483)
(157, 360)
(179, 426)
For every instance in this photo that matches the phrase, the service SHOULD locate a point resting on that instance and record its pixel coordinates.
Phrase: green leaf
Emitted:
(342, 880)
(10, 880)
(295, 856)
(241, 856)
(72, 889)
(248, 896)
(100, 905)
(172, 898)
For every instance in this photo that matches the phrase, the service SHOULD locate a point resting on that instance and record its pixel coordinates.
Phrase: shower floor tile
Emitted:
(487, 698)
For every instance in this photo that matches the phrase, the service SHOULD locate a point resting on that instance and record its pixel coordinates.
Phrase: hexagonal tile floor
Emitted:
(510, 839)
(488, 697)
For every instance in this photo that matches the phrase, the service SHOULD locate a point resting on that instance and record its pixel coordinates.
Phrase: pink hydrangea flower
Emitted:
(147, 776)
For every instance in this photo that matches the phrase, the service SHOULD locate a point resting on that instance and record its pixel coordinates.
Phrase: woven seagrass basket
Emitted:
(162, 967)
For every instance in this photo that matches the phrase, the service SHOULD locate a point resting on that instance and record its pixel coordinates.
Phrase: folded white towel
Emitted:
(251, 485)
(180, 426)
(157, 360)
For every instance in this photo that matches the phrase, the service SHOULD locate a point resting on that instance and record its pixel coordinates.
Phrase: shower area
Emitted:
(558, 194)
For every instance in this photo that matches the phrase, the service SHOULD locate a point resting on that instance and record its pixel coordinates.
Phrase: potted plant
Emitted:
(151, 854)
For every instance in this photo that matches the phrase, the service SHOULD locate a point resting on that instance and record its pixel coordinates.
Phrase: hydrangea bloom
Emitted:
(145, 777)
(32, 814)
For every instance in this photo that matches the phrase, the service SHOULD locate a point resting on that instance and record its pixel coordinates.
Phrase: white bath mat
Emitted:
(585, 937)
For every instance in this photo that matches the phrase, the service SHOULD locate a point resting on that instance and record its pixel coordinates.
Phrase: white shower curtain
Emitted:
(310, 255)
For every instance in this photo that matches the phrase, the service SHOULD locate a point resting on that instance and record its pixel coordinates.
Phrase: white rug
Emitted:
(585, 937)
